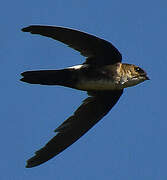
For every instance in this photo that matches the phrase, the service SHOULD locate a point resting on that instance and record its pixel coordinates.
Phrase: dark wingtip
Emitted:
(39, 158)
(34, 161)
(29, 28)
(30, 164)
(26, 29)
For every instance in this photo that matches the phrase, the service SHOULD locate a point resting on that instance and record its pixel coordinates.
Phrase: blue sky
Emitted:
(130, 142)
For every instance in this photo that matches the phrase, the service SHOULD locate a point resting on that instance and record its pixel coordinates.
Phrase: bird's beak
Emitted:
(147, 78)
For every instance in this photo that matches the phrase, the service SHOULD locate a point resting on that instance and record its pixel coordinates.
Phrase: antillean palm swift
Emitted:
(102, 75)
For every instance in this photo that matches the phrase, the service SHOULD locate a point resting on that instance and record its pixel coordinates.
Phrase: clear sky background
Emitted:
(131, 141)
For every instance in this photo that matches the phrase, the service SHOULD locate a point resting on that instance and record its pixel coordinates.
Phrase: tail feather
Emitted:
(48, 77)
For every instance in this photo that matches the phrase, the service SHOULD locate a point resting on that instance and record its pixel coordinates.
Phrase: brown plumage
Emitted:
(102, 75)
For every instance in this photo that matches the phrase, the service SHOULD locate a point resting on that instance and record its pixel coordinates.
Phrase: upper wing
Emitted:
(87, 115)
(98, 51)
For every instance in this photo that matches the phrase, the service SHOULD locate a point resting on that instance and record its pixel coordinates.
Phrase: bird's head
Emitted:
(133, 75)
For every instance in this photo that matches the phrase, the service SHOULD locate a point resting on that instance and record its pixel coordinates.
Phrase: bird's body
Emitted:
(86, 77)
(102, 75)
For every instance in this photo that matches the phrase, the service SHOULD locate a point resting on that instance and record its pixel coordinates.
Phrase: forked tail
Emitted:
(63, 77)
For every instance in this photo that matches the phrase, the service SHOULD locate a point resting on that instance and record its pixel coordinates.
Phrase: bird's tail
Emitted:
(64, 77)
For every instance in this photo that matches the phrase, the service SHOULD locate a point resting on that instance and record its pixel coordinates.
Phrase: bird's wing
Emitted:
(97, 51)
(88, 114)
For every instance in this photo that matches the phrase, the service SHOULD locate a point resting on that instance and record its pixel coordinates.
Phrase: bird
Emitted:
(103, 76)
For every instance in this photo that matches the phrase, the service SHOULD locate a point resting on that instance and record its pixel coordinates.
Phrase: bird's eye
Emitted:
(139, 70)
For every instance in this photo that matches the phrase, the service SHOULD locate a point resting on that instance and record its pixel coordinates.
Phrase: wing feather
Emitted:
(88, 114)
(98, 51)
